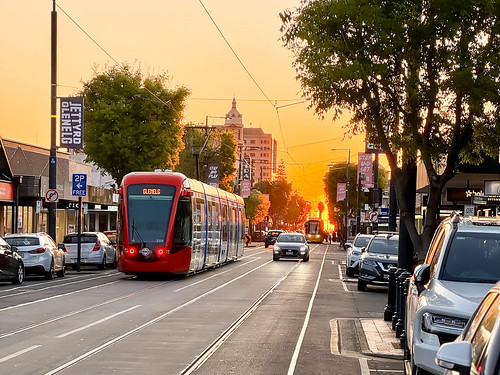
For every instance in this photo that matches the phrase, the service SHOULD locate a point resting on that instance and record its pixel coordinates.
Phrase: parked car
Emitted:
(291, 245)
(354, 251)
(462, 264)
(378, 256)
(111, 234)
(11, 263)
(271, 237)
(477, 349)
(39, 252)
(96, 249)
(259, 236)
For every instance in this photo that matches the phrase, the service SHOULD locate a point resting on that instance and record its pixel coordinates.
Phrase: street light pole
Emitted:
(53, 119)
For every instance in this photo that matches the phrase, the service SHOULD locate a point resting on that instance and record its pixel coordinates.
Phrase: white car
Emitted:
(39, 252)
(354, 252)
(96, 249)
(462, 264)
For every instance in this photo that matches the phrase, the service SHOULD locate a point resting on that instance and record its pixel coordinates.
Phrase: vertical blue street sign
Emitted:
(79, 185)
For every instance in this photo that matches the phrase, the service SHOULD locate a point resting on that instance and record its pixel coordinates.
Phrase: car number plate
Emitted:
(289, 253)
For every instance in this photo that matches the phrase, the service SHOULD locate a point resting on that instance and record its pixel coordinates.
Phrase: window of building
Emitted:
(252, 141)
(252, 154)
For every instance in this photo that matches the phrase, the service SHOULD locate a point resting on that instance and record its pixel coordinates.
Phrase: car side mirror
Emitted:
(422, 275)
(456, 356)
(347, 245)
(363, 249)
(13, 249)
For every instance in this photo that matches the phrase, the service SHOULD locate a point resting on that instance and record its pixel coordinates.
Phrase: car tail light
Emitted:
(37, 251)
(97, 245)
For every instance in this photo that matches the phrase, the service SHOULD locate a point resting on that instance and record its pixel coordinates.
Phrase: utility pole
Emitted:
(53, 119)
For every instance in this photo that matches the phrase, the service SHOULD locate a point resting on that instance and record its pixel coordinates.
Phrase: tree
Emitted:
(279, 192)
(420, 78)
(281, 170)
(257, 206)
(321, 208)
(132, 122)
(220, 148)
(297, 212)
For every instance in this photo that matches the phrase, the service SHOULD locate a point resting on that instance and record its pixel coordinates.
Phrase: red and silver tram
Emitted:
(168, 223)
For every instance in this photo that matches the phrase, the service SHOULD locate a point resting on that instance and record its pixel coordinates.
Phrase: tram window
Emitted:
(182, 225)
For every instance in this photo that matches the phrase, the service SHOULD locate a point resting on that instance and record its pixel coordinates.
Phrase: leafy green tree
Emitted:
(257, 206)
(220, 148)
(421, 78)
(132, 122)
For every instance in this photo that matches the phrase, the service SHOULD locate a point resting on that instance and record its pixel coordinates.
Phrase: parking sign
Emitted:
(79, 185)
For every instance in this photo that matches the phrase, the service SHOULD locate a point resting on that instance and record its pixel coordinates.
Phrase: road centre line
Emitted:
(342, 279)
(57, 296)
(150, 322)
(98, 322)
(13, 355)
(295, 356)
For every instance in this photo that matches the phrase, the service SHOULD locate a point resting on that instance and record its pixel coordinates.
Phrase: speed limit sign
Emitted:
(373, 217)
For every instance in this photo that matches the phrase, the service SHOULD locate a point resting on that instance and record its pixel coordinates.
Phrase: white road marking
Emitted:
(97, 322)
(57, 296)
(295, 356)
(334, 340)
(148, 323)
(13, 355)
(342, 280)
(363, 364)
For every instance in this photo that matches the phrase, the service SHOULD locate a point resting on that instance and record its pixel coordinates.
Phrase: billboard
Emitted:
(365, 170)
(213, 174)
(341, 191)
(71, 130)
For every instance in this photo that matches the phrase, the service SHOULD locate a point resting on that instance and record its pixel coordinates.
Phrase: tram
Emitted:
(171, 224)
(314, 230)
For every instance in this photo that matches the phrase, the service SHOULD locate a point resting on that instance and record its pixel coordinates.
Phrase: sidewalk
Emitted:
(381, 339)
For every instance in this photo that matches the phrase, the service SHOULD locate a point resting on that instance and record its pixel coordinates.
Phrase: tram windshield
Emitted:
(149, 207)
(313, 227)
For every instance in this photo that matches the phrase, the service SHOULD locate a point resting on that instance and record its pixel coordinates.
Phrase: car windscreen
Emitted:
(23, 241)
(85, 238)
(473, 257)
(361, 241)
(149, 207)
(291, 238)
(384, 246)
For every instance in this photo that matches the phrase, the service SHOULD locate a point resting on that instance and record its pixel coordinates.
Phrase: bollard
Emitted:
(400, 324)
(402, 338)
(395, 316)
(391, 295)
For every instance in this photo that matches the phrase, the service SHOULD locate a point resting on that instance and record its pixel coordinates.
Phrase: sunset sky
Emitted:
(177, 36)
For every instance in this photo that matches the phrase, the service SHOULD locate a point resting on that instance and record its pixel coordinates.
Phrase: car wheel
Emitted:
(103, 264)
(49, 275)
(266, 245)
(115, 262)
(306, 259)
(62, 272)
(19, 275)
(361, 285)
(349, 272)
(276, 258)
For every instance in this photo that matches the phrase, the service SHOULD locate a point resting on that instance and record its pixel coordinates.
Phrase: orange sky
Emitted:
(179, 37)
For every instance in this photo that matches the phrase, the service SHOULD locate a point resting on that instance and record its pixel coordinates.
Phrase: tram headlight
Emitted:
(131, 251)
(160, 252)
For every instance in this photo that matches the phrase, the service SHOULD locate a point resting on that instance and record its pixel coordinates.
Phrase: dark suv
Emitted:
(271, 237)
(380, 254)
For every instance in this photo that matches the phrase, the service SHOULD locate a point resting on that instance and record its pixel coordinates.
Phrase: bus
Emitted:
(171, 224)
(314, 230)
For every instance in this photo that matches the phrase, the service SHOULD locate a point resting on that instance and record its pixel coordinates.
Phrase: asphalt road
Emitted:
(253, 316)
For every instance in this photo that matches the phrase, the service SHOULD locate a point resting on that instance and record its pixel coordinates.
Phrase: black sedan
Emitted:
(11, 263)
(291, 245)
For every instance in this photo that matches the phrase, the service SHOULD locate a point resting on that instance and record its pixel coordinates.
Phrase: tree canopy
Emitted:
(132, 121)
(257, 206)
(215, 147)
(421, 78)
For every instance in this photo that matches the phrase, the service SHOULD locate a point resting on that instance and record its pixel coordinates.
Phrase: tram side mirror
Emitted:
(120, 191)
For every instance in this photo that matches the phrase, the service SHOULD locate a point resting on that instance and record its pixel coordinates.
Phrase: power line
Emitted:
(168, 104)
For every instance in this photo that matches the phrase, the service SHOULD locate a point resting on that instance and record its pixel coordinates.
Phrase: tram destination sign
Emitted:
(71, 122)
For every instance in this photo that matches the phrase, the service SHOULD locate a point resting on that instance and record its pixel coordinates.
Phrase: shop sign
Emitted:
(6, 191)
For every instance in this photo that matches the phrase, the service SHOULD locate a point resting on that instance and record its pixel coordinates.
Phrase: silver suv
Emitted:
(461, 265)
